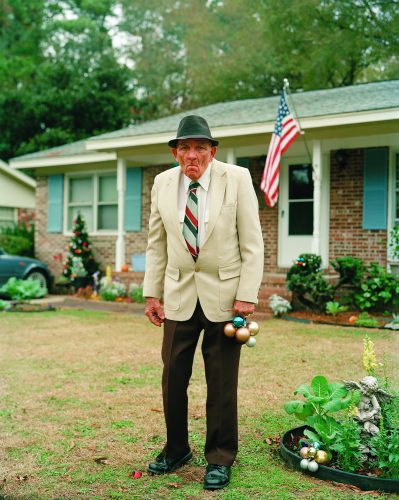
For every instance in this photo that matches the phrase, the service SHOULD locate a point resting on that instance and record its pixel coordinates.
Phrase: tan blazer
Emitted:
(230, 262)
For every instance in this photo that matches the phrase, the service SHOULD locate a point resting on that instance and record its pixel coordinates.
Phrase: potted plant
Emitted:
(394, 249)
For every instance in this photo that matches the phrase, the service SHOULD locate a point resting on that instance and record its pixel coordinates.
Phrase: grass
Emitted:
(80, 406)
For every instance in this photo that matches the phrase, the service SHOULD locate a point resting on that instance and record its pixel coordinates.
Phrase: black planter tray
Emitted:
(328, 473)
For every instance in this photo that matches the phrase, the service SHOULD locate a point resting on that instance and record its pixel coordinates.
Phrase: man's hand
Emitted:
(153, 310)
(241, 308)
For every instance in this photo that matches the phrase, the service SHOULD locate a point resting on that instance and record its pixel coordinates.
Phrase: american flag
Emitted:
(285, 132)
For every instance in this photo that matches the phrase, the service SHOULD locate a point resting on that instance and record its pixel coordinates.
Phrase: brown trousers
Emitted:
(221, 358)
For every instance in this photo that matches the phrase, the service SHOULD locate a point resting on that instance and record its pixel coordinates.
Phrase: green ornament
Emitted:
(238, 321)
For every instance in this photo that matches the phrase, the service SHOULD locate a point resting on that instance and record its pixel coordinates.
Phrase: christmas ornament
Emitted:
(239, 329)
(312, 452)
(238, 321)
(251, 342)
(229, 330)
(317, 445)
(253, 327)
(313, 466)
(304, 464)
(242, 334)
(321, 457)
(304, 452)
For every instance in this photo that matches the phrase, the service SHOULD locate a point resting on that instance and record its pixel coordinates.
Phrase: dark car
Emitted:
(23, 268)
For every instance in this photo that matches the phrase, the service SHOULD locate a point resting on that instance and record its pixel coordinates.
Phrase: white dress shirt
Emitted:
(203, 201)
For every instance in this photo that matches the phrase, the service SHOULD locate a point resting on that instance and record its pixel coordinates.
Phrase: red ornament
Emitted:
(85, 243)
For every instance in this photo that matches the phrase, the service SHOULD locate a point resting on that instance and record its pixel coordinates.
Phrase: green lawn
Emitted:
(80, 406)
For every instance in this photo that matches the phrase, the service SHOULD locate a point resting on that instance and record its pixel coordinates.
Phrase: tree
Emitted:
(61, 80)
(80, 261)
(198, 52)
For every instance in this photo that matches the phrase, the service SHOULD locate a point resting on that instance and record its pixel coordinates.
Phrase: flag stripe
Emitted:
(285, 132)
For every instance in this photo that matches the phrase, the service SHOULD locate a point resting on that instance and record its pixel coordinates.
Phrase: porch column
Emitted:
(121, 187)
(317, 177)
(231, 157)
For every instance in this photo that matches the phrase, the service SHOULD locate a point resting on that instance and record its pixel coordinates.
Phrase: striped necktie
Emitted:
(190, 225)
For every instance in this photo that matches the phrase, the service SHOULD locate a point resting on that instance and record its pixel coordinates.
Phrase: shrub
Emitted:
(112, 290)
(366, 321)
(350, 270)
(28, 289)
(278, 305)
(378, 291)
(18, 239)
(136, 293)
(334, 308)
(306, 281)
(16, 245)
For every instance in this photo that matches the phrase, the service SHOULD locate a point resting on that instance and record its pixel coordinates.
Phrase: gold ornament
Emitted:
(304, 452)
(312, 452)
(321, 457)
(242, 335)
(253, 327)
(229, 330)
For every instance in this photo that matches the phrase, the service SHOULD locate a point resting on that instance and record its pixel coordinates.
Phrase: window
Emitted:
(300, 200)
(7, 216)
(95, 197)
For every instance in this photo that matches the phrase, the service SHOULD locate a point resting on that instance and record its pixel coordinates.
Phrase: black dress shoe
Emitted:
(163, 465)
(216, 477)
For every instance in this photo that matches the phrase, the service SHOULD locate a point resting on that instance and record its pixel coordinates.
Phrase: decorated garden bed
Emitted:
(289, 446)
(347, 318)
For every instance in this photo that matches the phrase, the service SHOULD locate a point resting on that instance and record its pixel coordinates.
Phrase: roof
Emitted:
(361, 97)
(19, 176)
(367, 97)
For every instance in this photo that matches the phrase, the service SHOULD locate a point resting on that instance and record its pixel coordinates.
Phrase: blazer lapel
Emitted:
(218, 187)
(173, 203)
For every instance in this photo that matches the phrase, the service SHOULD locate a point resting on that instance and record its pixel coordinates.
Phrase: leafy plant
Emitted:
(321, 399)
(350, 270)
(394, 324)
(380, 290)
(278, 305)
(334, 308)
(385, 446)
(113, 290)
(18, 239)
(347, 444)
(394, 243)
(367, 321)
(306, 281)
(23, 289)
(136, 293)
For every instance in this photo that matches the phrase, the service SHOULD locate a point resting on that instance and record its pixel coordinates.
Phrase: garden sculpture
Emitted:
(369, 410)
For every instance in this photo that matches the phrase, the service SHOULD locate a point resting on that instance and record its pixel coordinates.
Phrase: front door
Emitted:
(295, 211)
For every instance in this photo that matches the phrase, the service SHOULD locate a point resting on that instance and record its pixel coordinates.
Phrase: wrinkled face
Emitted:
(194, 156)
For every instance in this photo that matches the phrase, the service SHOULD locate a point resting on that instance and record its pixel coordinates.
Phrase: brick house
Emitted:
(17, 196)
(339, 189)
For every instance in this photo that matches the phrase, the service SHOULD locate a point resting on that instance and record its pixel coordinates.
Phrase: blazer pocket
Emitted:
(172, 288)
(230, 271)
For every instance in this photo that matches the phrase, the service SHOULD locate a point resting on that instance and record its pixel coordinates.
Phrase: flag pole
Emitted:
(290, 104)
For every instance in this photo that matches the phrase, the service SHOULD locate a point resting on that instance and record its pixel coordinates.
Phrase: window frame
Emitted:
(14, 218)
(95, 175)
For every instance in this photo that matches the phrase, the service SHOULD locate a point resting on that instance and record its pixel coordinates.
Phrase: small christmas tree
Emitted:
(79, 246)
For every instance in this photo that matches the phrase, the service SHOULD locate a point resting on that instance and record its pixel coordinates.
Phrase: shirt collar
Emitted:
(204, 180)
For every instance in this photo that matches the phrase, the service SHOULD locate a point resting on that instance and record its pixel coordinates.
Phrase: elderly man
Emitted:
(205, 256)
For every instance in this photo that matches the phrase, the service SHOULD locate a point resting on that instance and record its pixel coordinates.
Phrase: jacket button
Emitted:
(197, 269)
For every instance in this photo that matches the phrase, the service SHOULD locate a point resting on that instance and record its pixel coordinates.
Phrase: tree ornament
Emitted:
(238, 321)
(229, 330)
(317, 445)
(312, 452)
(251, 342)
(321, 457)
(242, 335)
(304, 452)
(304, 464)
(313, 466)
(253, 327)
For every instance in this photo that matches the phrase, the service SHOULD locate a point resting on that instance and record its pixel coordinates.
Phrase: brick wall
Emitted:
(25, 215)
(347, 237)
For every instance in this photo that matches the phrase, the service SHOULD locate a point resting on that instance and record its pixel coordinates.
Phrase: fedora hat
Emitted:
(193, 127)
